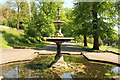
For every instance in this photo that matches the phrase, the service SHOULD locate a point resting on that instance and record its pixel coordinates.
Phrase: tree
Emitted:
(68, 26)
(42, 16)
(97, 12)
(82, 19)
(24, 14)
(18, 16)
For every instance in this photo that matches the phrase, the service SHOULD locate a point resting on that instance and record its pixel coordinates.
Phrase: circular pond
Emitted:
(80, 68)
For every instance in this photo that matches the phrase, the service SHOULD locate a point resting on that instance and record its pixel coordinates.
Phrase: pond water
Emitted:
(38, 68)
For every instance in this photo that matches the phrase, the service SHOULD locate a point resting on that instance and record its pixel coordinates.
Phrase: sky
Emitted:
(68, 4)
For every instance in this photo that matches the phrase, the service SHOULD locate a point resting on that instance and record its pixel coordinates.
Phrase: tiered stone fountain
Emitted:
(59, 39)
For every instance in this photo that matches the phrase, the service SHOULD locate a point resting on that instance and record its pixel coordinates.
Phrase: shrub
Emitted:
(90, 40)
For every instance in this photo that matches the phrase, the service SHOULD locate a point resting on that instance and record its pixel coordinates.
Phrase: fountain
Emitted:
(59, 39)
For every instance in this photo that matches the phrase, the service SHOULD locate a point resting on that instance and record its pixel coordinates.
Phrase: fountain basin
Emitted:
(38, 68)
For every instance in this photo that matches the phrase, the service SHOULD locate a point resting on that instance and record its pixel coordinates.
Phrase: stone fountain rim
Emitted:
(58, 21)
(57, 38)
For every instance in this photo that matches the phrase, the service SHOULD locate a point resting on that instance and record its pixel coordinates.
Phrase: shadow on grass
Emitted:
(86, 48)
(17, 41)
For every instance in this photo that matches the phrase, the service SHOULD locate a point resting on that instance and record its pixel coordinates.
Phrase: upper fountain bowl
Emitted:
(58, 22)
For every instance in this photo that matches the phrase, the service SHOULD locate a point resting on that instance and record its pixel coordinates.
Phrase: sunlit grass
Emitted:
(102, 47)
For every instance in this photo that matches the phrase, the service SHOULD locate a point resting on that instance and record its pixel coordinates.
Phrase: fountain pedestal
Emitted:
(59, 39)
(59, 61)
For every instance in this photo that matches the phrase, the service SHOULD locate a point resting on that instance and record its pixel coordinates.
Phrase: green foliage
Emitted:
(36, 20)
(10, 12)
(68, 28)
(40, 25)
(82, 20)
(24, 15)
(113, 39)
(3, 21)
(90, 40)
(97, 19)
(100, 42)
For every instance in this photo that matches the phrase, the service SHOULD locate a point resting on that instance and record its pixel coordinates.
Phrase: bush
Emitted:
(90, 40)
(2, 21)
(81, 38)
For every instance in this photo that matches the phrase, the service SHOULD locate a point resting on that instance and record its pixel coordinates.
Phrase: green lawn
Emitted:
(102, 48)
(13, 38)
(8, 36)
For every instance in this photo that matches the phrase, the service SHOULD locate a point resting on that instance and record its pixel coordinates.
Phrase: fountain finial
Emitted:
(59, 13)
(59, 34)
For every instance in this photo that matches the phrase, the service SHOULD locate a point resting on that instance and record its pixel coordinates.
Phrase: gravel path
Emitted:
(6, 27)
(67, 48)
(105, 57)
(13, 55)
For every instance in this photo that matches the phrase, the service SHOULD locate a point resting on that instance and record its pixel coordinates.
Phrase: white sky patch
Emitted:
(2, 1)
(68, 4)
(116, 28)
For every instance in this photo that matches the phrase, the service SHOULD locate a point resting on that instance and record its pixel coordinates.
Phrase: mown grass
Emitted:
(14, 38)
(101, 48)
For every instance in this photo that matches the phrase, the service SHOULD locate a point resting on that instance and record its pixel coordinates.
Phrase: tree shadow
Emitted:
(11, 39)
(86, 48)
(20, 41)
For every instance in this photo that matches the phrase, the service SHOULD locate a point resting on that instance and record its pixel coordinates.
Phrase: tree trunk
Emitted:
(95, 25)
(18, 15)
(96, 44)
(7, 14)
(85, 40)
(39, 39)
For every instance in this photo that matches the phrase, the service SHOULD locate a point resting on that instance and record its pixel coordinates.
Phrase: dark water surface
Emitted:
(38, 68)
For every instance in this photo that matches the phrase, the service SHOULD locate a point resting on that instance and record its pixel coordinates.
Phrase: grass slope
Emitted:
(13, 37)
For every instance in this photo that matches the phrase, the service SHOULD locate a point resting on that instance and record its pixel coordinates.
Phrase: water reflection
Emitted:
(11, 73)
(92, 70)
(69, 74)
(116, 70)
